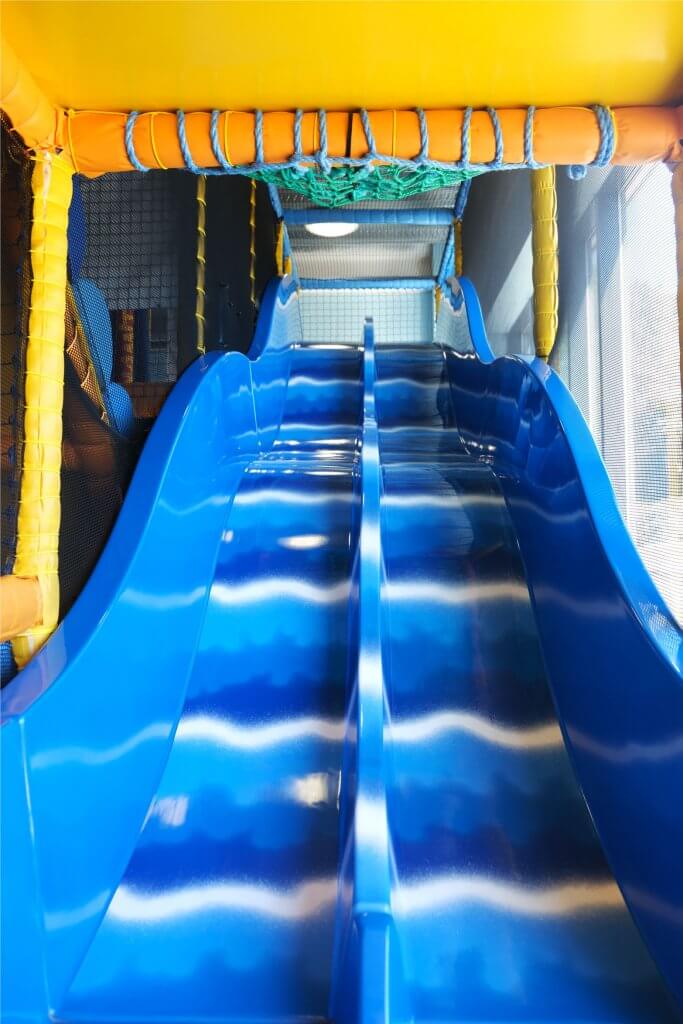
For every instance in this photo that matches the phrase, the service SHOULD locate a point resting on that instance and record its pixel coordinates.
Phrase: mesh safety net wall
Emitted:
(372, 251)
(141, 253)
(498, 257)
(336, 315)
(141, 239)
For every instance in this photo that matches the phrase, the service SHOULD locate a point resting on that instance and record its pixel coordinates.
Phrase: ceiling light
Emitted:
(332, 229)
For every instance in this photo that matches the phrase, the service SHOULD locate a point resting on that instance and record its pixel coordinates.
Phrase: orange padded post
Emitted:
(562, 135)
(124, 350)
(21, 605)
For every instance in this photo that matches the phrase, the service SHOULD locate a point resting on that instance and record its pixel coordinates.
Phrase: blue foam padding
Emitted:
(96, 321)
(76, 231)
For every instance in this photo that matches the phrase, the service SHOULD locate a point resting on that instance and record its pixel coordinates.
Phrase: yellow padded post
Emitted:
(252, 243)
(201, 263)
(545, 259)
(280, 248)
(677, 189)
(457, 241)
(124, 349)
(39, 495)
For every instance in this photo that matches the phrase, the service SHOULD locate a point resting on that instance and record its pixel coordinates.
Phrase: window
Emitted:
(617, 349)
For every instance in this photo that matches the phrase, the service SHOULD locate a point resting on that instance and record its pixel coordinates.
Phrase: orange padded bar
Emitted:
(21, 605)
(562, 135)
(33, 117)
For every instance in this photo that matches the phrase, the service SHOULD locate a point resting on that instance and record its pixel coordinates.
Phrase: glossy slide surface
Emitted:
(310, 745)
(505, 906)
(228, 900)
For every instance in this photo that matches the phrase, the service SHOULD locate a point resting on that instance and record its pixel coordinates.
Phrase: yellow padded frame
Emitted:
(200, 283)
(37, 553)
(545, 259)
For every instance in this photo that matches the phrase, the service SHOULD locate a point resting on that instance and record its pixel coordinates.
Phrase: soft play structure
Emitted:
(368, 710)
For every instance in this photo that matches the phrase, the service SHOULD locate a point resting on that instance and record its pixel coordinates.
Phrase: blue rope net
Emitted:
(333, 181)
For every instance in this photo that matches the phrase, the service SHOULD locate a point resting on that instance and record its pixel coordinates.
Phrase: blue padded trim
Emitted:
(446, 267)
(96, 321)
(427, 218)
(121, 407)
(8, 668)
(275, 202)
(409, 283)
(461, 199)
(76, 231)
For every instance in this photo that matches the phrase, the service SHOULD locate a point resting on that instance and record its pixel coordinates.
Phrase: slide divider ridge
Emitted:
(367, 983)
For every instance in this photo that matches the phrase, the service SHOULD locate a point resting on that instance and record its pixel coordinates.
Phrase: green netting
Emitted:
(343, 185)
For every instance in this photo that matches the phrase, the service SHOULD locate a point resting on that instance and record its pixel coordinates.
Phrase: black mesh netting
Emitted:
(97, 465)
(101, 440)
(16, 289)
(140, 242)
(130, 329)
(15, 276)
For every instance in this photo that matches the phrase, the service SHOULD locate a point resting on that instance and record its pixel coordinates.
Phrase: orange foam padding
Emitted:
(97, 460)
(124, 349)
(21, 606)
(562, 135)
(33, 117)
(148, 398)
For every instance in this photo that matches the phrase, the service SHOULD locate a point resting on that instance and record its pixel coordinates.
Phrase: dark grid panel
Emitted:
(437, 199)
(140, 250)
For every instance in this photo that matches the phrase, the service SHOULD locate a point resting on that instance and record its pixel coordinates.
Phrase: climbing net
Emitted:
(342, 185)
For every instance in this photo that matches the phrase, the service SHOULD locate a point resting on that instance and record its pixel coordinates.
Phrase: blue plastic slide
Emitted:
(369, 712)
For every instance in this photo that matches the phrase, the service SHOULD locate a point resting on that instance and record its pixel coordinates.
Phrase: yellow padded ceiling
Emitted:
(162, 55)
